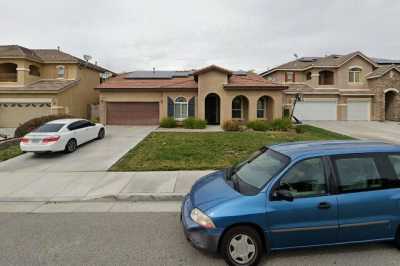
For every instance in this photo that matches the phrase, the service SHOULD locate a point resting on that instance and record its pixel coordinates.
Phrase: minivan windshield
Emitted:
(48, 128)
(257, 171)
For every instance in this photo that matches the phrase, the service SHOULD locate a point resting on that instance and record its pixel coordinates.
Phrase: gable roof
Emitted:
(331, 61)
(381, 71)
(212, 68)
(45, 56)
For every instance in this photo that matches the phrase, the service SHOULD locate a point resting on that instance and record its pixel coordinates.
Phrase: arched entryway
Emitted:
(240, 108)
(265, 108)
(212, 109)
(392, 105)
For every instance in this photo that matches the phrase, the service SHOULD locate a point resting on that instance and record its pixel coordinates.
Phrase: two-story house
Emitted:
(212, 93)
(38, 82)
(341, 87)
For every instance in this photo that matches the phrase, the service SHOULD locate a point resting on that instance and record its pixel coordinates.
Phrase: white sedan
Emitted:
(61, 135)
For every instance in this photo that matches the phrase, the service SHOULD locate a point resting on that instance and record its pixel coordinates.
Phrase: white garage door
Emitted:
(358, 110)
(316, 110)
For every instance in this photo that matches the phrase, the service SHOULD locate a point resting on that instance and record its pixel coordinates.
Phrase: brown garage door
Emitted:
(133, 113)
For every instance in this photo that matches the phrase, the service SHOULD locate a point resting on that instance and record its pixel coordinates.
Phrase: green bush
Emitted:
(286, 113)
(281, 124)
(300, 129)
(259, 125)
(193, 123)
(231, 126)
(168, 122)
(34, 123)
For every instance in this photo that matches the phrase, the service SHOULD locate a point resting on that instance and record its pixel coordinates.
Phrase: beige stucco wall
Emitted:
(77, 99)
(343, 74)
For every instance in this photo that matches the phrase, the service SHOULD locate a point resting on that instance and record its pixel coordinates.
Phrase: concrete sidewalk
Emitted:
(96, 186)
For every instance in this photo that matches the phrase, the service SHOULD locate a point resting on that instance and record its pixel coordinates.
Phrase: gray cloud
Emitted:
(180, 34)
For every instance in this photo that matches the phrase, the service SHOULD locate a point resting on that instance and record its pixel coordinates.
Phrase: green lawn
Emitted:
(9, 152)
(162, 151)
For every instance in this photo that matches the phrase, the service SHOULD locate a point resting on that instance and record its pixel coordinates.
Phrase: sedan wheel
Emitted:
(241, 246)
(101, 134)
(71, 146)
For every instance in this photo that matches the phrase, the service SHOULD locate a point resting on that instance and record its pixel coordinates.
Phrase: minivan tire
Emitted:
(71, 146)
(397, 240)
(242, 235)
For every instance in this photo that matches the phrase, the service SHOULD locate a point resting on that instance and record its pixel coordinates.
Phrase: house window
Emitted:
(261, 107)
(180, 108)
(34, 71)
(290, 77)
(237, 107)
(355, 75)
(60, 72)
(308, 76)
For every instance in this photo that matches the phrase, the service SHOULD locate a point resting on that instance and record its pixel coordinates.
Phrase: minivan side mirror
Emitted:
(283, 194)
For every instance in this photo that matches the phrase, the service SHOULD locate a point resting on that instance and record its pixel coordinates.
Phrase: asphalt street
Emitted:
(142, 239)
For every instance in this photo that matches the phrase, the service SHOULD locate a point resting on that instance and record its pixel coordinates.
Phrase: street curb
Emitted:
(132, 197)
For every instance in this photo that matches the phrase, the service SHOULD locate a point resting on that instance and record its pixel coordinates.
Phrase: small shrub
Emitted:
(168, 122)
(231, 126)
(286, 113)
(34, 123)
(281, 124)
(258, 125)
(193, 123)
(300, 129)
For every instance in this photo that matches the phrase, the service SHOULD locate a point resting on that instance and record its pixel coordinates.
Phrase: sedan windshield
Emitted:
(49, 128)
(257, 171)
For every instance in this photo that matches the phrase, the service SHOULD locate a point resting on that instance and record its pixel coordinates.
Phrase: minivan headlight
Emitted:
(200, 218)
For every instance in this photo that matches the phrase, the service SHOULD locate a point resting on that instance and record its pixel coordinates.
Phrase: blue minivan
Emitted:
(297, 195)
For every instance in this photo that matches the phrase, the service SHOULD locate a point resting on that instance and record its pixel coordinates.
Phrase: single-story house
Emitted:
(212, 93)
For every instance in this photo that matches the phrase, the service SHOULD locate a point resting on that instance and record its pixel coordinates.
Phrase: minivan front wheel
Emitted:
(242, 246)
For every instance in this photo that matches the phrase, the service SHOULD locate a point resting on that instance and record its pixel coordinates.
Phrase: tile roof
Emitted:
(311, 62)
(51, 85)
(45, 56)
(380, 71)
(186, 80)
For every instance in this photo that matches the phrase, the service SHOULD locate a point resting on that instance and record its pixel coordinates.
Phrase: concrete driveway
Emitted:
(369, 130)
(94, 156)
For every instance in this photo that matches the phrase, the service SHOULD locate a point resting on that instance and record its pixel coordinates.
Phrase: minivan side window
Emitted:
(307, 178)
(358, 173)
(395, 161)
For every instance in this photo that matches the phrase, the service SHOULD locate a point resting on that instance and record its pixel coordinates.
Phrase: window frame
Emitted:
(329, 181)
(181, 104)
(287, 76)
(58, 68)
(264, 110)
(235, 109)
(382, 163)
(352, 74)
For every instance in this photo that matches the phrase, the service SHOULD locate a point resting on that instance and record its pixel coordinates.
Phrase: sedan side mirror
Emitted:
(283, 194)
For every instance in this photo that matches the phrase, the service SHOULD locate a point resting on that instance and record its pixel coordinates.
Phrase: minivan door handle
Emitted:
(324, 205)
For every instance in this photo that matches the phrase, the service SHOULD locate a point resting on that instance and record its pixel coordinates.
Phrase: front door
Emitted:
(369, 197)
(311, 218)
(212, 106)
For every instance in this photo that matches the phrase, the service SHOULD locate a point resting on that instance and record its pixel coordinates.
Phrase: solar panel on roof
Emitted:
(159, 74)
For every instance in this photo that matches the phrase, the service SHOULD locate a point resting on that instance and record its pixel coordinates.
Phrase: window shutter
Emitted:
(170, 107)
(192, 104)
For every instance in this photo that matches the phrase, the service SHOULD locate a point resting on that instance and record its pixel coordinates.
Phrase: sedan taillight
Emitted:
(52, 139)
(24, 140)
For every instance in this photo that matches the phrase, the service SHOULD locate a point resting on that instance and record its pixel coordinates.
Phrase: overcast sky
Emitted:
(126, 35)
